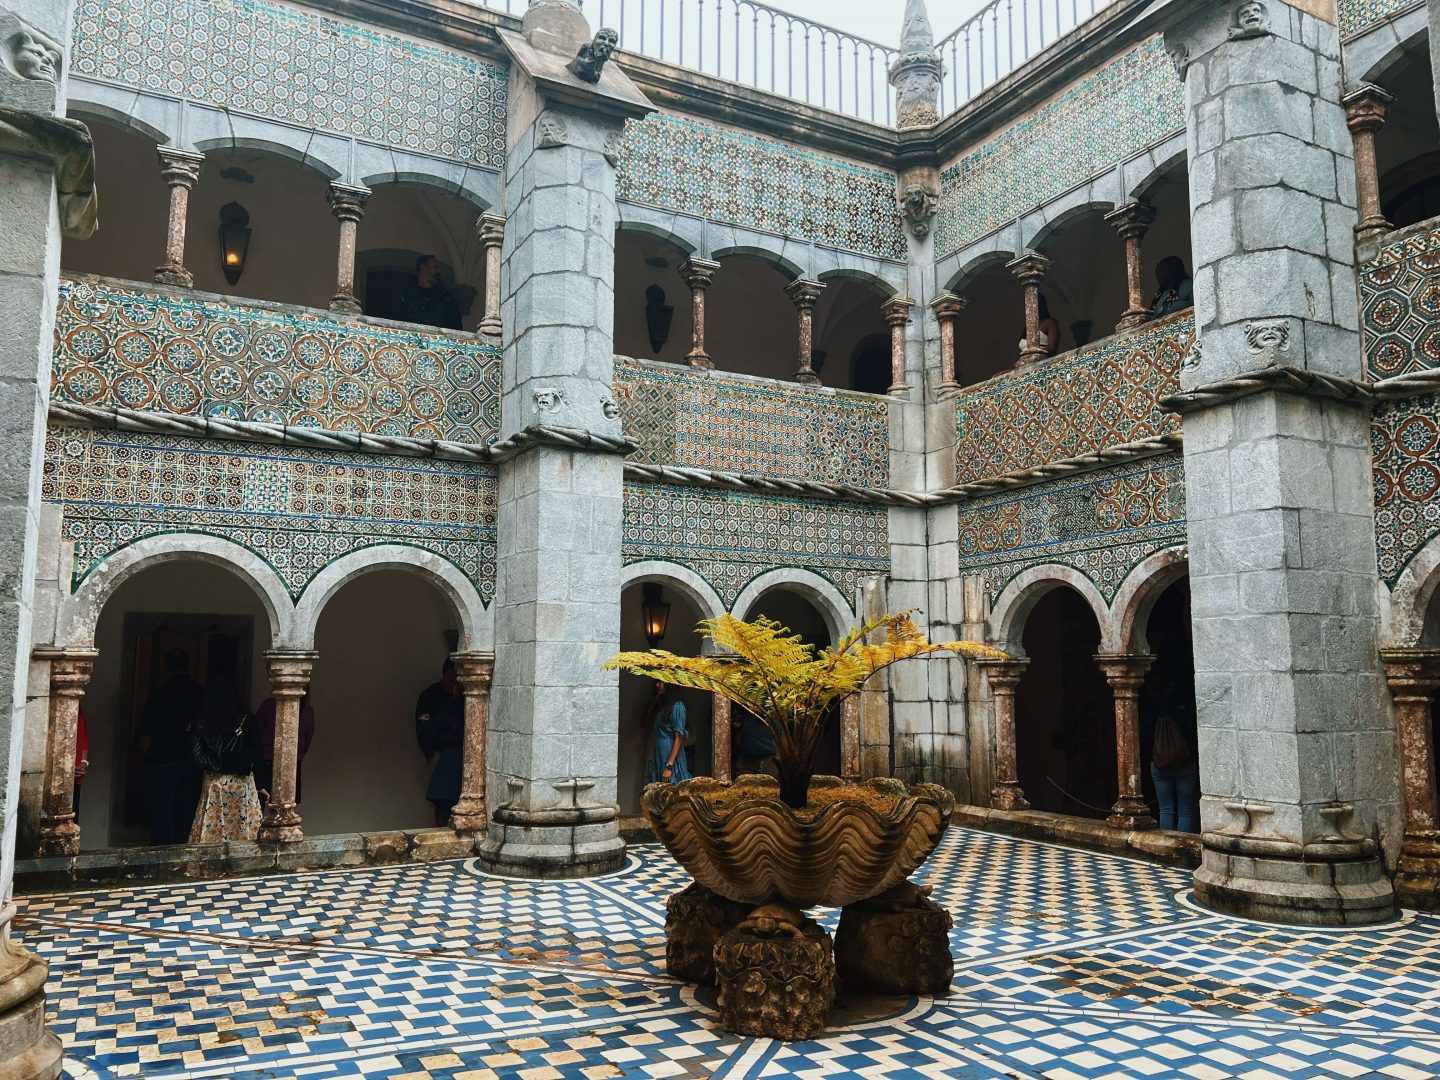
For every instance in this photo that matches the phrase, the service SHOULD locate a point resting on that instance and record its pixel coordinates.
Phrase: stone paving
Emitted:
(1069, 964)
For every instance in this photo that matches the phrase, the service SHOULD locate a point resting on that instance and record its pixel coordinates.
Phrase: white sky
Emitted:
(879, 20)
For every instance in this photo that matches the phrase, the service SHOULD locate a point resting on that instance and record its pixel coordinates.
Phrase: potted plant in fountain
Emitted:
(761, 851)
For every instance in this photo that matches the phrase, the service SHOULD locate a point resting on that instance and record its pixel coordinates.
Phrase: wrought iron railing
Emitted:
(1000, 37)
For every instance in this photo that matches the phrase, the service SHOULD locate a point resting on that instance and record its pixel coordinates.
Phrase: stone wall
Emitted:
(707, 420)
(117, 344)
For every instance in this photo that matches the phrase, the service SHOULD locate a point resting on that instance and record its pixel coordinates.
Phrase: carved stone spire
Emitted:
(916, 74)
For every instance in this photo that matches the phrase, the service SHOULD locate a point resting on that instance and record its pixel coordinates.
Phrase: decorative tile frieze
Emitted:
(1405, 467)
(731, 538)
(1102, 524)
(1400, 304)
(1127, 106)
(302, 68)
(195, 354)
(723, 175)
(1103, 395)
(297, 509)
(710, 421)
(1357, 16)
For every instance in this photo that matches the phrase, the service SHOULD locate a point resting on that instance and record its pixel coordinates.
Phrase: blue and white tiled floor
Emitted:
(1069, 965)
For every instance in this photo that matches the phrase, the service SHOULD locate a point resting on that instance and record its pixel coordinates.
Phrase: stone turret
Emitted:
(916, 74)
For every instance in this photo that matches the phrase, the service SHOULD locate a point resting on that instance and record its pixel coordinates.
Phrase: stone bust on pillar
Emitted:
(916, 74)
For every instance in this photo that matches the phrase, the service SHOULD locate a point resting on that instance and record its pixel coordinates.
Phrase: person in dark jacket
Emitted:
(225, 747)
(428, 302)
(172, 782)
(444, 735)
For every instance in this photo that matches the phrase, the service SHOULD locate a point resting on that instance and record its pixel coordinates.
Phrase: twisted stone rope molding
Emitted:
(710, 478)
(1055, 470)
(1286, 379)
(1406, 386)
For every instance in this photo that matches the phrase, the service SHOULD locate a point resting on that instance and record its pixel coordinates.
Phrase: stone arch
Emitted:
(1067, 217)
(475, 632)
(828, 600)
(696, 590)
(1170, 158)
(659, 232)
(1013, 606)
(1373, 55)
(276, 146)
(81, 108)
(477, 197)
(975, 267)
(773, 256)
(1410, 599)
(865, 277)
(82, 610)
(1130, 613)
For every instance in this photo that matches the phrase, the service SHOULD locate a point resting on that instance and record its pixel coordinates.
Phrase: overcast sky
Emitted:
(879, 20)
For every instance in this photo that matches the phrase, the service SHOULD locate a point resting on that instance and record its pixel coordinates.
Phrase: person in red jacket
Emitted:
(82, 758)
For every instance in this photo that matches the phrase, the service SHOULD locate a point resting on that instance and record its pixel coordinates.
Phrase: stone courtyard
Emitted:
(1070, 964)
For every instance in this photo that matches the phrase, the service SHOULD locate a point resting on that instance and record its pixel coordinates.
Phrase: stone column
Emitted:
(289, 683)
(1297, 750)
(1126, 676)
(47, 172)
(947, 308)
(475, 671)
(1414, 677)
(897, 314)
(850, 738)
(348, 205)
(1004, 677)
(805, 295)
(698, 274)
(554, 718)
(720, 742)
(181, 169)
(1365, 112)
(1030, 270)
(69, 676)
(491, 229)
(1132, 222)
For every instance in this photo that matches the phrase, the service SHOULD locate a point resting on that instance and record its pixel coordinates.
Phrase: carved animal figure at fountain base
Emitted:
(777, 976)
(896, 943)
(695, 920)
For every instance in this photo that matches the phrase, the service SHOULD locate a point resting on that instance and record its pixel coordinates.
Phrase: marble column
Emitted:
(491, 230)
(1004, 677)
(1414, 678)
(181, 170)
(699, 274)
(1030, 270)
(1126, 676)
(475, 672)
(47, 171)
(348, 205)
(1299, 763)
(69, 676)
(554, 713)
(720, 737)
(805, 295)
(1365, 112)
(289, 683)
(850, 738)
(947, 308)
(897, 316)
(1132, 222)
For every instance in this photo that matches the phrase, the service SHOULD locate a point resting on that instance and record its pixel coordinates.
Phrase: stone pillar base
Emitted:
(809, 378)
(27, 1050)
(282, 824)
(553, 844)
(695, 919)
(1132, 319)
(345, 304)
(1131, 814)
(896, 943)
(179, 277)
(777, 976)
(1295, 891)
(1008, 795)
(701, 361)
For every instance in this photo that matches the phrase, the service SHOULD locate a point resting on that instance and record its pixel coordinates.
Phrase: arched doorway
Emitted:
(652, 302)
(1170, 685)
(852, 341)
(750, 324)
(181, 618)
(989, 330)
(1064, 715)
(381, 639)
(681, 639)
(1084, 289)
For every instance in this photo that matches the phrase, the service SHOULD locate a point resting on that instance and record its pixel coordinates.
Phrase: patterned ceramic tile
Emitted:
(299, 67)
(1405, 466)
(710, 421)
(1117, 112)
(730, 538)
(1070, 964)
(298, 509)
(119, 345)
(1357, 16)
(723, 175)
(1103, 524)
(1103, 395)
(1400, 304)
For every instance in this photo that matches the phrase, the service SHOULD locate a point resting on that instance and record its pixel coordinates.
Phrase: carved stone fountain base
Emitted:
(896, 943)
(776, 974)
(695, 920)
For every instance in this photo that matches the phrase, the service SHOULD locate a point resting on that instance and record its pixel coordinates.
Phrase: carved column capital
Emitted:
(1030, 268)
(1125, 671)
(289, 672)
(475, 670)
(180, 168)
(347, 202)
(897, 310)
(1367, 107)
(949, 306)
(490, 229)
(70, 668)
(1133, 220)
(699, 273)
(1004, 675)
(805, 294)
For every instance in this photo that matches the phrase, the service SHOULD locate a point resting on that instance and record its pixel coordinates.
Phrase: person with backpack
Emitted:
(1176, 773)
(224, 746)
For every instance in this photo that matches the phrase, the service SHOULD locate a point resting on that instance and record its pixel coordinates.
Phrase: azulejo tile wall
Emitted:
(194, 354)
(297, 509)
(1131, 104)
(1400, 304)
(683, 165)
(709, 421)
(288, 64)
(1358, 15)
(1405, 466)
(731, 538)
(1104, 395)
(1102, 524)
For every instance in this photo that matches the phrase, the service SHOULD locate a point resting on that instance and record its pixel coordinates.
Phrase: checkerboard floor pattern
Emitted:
(1069, 965)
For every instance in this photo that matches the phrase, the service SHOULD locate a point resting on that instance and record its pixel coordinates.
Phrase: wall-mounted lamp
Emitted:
(234, 240)
(658, 317)
(656, 613)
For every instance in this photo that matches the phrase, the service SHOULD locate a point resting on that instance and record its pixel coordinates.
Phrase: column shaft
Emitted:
(1126, 676)
(1004, 677)
(289, 683)
(1365, 113)
(1132, 222)
(181, 170)
(720, 741)
(1414, 677)
(69, 676)
(850, 738)
(947, 308)
(348, 205)
(805, 295)
(492, 238)
(897, 315)
(1030, 269)
(699, 274)
(475, 672)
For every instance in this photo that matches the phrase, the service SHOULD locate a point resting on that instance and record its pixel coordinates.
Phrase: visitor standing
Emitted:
(428, 302)
(1176, 773)
(668, 764)
(82, 758)
(444, 741)
(1176, 290)
(756, 754)
(172, 782)
(265, 728)
(224, 746)
(431, 699)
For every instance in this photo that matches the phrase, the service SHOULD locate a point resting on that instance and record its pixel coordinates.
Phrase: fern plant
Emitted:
(788, 684)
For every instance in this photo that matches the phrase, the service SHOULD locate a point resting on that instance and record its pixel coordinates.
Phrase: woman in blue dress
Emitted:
(667, 760)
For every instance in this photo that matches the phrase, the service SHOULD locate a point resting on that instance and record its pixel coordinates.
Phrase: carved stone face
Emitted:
(1268, 335)
(609, 408)
(604, 46)
(1252, 16)
(547, 399)
(34, 60)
